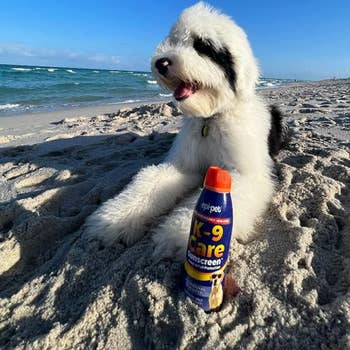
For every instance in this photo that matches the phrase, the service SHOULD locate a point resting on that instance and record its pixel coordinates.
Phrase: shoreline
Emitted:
(16, 108)
(21, 119)
(107, 107)
(31, 128)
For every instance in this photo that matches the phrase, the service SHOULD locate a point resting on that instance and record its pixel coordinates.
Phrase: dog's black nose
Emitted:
(162, 65)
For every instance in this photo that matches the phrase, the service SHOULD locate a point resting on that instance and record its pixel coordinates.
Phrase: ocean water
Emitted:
(29, 89)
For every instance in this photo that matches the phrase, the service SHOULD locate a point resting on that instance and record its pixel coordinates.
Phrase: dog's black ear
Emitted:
(279, 135)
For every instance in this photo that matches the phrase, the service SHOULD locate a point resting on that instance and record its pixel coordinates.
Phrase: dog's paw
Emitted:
(171, 237)
(110, 233)
(169, 246)
(110, 227)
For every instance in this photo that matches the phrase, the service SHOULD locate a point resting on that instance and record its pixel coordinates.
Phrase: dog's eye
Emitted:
(204, 46)
(221, 56)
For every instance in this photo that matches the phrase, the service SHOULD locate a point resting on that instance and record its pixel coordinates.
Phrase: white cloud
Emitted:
(25, 54)
(105, 58)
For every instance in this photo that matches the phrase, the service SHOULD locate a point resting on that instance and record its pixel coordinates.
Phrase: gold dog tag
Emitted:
(205, 130)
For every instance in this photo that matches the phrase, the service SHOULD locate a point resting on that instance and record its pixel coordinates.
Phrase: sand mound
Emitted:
(57, 291)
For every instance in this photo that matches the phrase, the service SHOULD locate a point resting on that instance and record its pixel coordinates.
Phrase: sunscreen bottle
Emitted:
(209, 241)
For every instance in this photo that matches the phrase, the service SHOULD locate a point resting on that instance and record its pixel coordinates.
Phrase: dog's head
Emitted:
(206, 61)
(216, 278)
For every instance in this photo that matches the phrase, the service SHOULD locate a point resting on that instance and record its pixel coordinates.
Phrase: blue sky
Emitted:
(292, 39)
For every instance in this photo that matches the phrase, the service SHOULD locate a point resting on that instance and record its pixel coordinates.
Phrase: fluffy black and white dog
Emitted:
(208, 64)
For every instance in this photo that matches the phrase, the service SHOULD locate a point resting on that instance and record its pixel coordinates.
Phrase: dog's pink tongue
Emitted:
(182, 91)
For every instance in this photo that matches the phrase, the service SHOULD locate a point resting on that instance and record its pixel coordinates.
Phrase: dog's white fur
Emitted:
(239, 123)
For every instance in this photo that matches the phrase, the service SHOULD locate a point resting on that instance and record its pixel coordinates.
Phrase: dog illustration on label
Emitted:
(216, 293)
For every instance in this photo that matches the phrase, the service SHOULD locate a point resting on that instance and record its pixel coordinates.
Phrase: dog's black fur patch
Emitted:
(221, 57)
(279, 132)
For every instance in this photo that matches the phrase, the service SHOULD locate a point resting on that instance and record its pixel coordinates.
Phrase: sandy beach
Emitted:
(58, 291)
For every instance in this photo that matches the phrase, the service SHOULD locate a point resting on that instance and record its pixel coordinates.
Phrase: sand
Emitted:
(58, 291)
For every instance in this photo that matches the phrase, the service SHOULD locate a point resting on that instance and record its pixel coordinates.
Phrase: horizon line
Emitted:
(139, 71)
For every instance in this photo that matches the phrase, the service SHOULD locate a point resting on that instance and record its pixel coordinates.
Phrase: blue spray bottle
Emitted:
(209, 241)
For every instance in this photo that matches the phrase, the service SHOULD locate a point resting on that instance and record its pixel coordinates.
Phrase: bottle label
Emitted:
(208, 249)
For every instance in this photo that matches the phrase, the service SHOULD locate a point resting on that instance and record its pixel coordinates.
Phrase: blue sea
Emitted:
(30, 89)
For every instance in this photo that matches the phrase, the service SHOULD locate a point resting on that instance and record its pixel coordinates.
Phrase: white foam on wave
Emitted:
(96, 71)
(165, 95)
(51, 69)
(70, 71)
(153, 82)
(140, 74)
(9, 106)
(113, 71)
(270, 83)
(130, 101)
(125, 101)
(20, 69)
(76, 83)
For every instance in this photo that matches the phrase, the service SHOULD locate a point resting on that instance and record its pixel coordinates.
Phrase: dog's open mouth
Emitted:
(185, 89)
